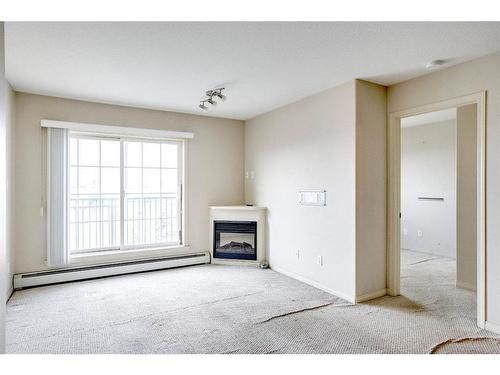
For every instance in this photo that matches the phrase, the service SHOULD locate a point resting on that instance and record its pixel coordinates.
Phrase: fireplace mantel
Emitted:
(245, 214)
(238, 208)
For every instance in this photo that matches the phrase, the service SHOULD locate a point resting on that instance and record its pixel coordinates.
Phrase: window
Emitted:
(151, 188)
(123, 193)
(94, 199)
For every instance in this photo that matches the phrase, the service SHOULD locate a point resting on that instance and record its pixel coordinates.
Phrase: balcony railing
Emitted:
(95, 222)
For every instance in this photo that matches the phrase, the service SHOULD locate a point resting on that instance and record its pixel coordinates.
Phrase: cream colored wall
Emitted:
(10, 213)
(214, 164)
(466, 197)
(308, 145)
(479, 75)
(428, 168)
(6, 189)
(371, 120)
(3, 188)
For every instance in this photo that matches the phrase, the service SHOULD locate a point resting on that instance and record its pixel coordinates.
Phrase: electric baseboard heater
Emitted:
(25, 280)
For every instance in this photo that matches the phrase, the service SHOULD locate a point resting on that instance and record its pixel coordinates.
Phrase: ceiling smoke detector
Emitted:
(435, 64)
(210, 96)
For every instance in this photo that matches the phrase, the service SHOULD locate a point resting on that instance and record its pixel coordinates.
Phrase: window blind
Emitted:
(57, 146)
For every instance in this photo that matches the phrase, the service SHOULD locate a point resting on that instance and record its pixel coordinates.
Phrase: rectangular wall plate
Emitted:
(312, 197)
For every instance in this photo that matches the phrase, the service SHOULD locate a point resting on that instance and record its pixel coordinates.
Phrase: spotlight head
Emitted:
(211, 101)
(221, 96)
(203, 106)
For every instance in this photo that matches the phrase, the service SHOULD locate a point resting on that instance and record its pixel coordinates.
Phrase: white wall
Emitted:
(467, 196)
(479, 75)
(308, 145)
(214, 165)
(428, 169)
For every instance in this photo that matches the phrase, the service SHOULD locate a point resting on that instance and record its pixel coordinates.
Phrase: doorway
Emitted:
(394, 195)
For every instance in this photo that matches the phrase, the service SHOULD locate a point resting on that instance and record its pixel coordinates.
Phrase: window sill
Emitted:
(127, 255)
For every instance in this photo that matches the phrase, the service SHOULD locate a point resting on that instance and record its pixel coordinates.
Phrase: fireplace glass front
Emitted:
(235, 240)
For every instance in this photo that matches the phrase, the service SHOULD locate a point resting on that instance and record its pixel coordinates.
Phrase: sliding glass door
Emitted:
(124, 193)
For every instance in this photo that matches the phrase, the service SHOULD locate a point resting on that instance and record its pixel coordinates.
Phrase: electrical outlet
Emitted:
(319, 260)
(419, 233)
(297, 254)
(247, 175)
(252, 175)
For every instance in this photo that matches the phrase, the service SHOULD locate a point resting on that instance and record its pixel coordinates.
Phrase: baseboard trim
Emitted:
(372, 295)
(493, 327)
(313, 283)
(55, 276)
(463, 285)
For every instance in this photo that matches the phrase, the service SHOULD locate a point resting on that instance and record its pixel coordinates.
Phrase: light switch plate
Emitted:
(319, 260)
(312, 197)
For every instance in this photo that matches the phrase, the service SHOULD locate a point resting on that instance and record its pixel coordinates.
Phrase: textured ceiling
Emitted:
(169, 65)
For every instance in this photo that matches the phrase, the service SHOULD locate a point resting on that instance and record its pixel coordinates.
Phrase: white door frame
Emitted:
(394, 193)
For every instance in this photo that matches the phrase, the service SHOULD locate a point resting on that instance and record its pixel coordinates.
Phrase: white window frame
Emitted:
(181, 142)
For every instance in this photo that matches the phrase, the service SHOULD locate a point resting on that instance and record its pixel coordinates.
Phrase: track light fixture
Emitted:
(210, 95)
(221, 96)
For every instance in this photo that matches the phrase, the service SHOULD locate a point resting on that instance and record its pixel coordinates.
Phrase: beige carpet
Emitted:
(227, 309)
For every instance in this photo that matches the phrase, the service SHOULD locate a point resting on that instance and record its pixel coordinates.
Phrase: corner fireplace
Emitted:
(235, 240)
